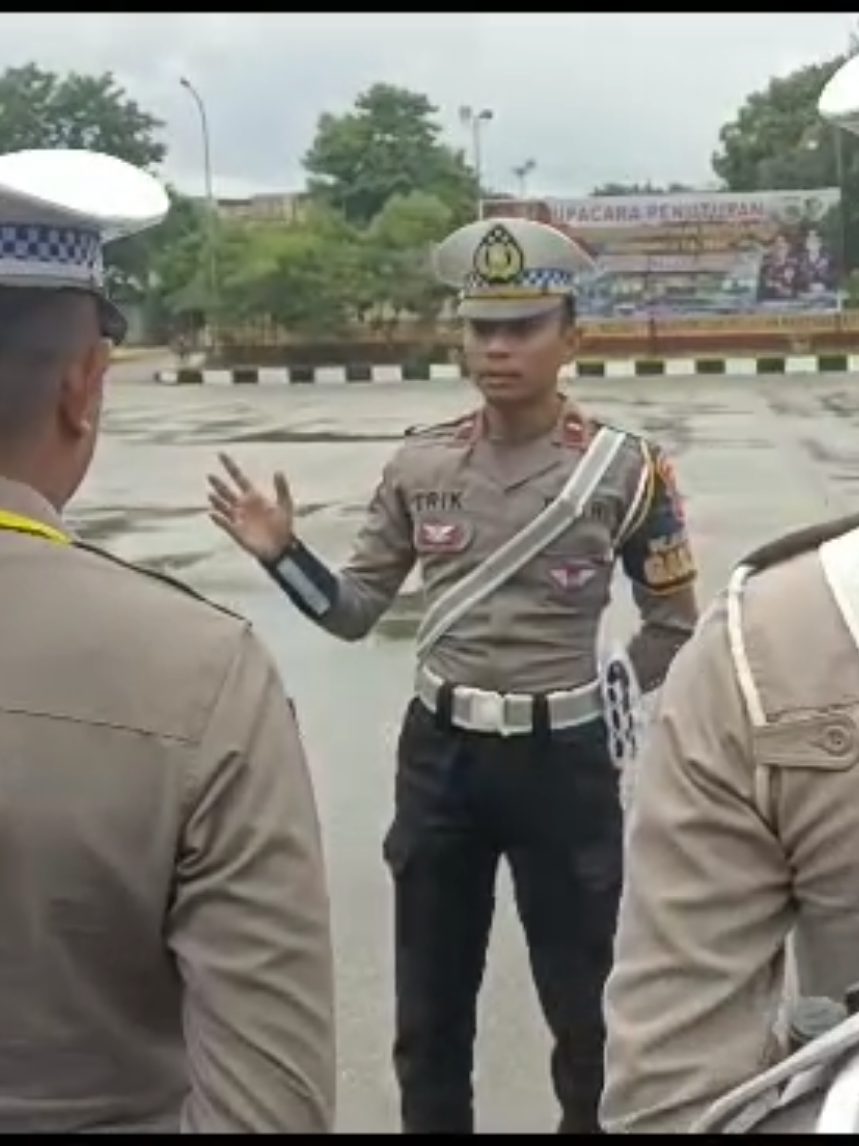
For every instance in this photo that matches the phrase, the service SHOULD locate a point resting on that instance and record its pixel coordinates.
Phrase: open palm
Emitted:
(260, 524)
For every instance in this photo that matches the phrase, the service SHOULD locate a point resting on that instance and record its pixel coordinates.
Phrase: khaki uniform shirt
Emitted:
(451, 496)
(744, 826)
(165, 956)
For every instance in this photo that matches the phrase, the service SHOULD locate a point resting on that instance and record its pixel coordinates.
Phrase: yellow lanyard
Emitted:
(16, 523)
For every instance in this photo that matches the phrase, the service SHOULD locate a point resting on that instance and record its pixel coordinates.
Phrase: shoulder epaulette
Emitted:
(798, 542)
(602, 424)
(442, 429)
(157, 575)
(637, 440)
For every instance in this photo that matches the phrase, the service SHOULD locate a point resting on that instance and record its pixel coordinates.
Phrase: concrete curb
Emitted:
(443, 372)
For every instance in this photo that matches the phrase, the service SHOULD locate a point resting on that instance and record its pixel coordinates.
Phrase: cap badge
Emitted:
(499, 259)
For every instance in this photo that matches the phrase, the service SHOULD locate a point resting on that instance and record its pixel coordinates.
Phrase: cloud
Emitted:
(592, 98)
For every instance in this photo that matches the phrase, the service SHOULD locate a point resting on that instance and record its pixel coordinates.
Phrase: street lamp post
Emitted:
(476, 121)
(522, 172)
(211, 205)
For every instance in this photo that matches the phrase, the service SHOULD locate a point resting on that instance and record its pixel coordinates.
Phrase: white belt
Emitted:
(510, 713)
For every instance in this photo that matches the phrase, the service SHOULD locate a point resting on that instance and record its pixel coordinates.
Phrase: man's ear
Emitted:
(82, 388)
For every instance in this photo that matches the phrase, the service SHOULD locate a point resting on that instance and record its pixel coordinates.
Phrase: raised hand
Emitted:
(261, 524)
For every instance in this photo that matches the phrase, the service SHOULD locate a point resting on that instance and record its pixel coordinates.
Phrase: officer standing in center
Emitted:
(517, 514)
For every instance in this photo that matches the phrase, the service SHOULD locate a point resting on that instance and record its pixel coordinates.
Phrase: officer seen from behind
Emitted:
(517, 513)
(165, 958)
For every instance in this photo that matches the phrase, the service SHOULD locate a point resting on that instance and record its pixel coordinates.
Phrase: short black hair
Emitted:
(40, 330)
(569, 312)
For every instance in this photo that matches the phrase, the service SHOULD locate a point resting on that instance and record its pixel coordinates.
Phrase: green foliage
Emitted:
(39, 108)
(777, 141)
(389, 144)
(397, 250)
(383, 189)
(301, 277)
(774, 133)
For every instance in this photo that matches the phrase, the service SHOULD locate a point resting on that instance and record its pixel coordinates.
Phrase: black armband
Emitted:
(307, 581)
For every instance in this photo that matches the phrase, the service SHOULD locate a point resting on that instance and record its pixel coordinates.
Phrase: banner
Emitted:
(698, 255)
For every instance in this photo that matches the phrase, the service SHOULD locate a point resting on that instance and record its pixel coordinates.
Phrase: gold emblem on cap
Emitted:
(499, 259)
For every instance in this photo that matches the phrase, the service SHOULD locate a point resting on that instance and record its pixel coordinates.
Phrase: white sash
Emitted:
(740, 1109)
(519, 550)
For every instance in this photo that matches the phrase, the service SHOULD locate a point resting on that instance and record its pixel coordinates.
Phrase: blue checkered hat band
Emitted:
(67, 255)
(541, 279)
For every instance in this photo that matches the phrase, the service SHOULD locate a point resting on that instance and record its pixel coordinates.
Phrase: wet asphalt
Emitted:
(755, 457)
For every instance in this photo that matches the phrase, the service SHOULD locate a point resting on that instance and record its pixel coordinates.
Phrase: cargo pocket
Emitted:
(819, 744)
(396, 849)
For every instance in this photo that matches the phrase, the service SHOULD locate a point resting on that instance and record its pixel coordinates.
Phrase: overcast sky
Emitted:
(591, 98)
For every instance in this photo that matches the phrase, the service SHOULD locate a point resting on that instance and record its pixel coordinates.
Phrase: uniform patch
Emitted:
(669, 562)
(434, 535)
(569, 575)
(575, 432)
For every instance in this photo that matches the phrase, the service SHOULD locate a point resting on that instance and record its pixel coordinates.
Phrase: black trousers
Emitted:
(551, 806)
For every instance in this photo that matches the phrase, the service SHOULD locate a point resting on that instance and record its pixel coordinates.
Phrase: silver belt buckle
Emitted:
(489, 711)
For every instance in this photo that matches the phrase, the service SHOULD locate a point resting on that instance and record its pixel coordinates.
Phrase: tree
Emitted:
(301, 277)
(397, 246)
(777, 141)
(779, 123)
(390, 144)
(173, 255)
(39, 108)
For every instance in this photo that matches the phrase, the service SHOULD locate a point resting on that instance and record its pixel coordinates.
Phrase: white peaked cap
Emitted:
(59, 207)
(509, 269)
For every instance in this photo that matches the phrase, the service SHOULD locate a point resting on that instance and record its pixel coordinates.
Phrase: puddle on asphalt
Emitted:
(842, 404)
(174, 564)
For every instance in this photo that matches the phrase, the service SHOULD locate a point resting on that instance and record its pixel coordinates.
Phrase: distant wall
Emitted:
(690, 338)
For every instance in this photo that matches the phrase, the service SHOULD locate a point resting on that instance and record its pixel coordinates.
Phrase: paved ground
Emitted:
(755, 456)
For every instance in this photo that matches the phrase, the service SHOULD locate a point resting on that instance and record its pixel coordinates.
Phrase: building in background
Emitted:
(269, 207)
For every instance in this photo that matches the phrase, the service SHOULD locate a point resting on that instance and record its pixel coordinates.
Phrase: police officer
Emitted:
(747, 809)
(516, 513)
(165, 956)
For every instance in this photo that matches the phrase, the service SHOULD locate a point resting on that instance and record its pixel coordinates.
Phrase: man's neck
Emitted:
(31, 474)
(521, 423)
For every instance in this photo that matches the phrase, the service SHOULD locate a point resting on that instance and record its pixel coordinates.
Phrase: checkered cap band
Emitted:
(541, 280)
(68, 254)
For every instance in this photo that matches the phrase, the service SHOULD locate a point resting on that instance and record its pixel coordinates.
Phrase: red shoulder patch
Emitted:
(467, 429)
(575, 431)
